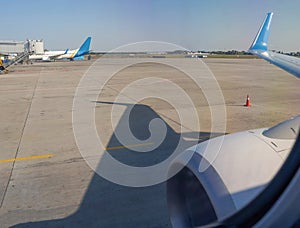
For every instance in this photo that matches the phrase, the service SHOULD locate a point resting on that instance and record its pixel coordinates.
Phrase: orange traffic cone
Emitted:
(248, 101)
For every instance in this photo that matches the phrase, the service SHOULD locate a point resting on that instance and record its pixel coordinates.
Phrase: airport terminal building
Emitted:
(10, 47)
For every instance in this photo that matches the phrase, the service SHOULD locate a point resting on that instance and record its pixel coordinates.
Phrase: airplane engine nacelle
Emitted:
(218, 181)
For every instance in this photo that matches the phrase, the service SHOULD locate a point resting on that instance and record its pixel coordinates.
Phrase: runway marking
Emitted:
(128, 146)
(27, 158)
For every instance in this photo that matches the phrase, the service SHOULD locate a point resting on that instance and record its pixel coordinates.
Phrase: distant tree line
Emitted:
(297, 54)
(294, 54)
(231, 52)
(235, 52)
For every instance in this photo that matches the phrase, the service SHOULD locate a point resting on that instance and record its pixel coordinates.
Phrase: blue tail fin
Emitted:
(85, 47)
(262, 37)
(66, 52)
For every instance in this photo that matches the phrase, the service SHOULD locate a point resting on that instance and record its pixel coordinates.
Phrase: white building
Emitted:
(11, 47)
(35, 46)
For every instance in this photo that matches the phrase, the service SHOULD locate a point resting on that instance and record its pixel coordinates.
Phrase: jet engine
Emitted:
(210, 189)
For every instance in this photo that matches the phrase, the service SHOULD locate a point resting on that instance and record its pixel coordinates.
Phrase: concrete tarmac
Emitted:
(44, 180)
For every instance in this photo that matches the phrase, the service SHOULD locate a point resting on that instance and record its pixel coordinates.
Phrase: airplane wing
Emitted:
(259, 48)
(205, 197)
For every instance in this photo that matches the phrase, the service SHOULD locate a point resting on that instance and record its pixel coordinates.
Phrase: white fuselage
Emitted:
(49, 55)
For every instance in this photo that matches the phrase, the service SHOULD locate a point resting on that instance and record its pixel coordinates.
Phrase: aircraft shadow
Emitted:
(106, 204)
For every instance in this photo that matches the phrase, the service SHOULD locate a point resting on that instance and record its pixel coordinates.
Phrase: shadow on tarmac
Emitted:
(106, 204)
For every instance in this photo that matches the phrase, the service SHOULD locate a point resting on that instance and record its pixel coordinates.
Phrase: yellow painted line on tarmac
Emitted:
(27, 158)
(128, 146)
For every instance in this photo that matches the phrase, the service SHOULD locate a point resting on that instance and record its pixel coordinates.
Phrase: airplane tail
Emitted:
(262, 37)
(66, 52)
(85, 48)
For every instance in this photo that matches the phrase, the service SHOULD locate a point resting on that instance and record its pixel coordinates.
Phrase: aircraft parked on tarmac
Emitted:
(77, 54)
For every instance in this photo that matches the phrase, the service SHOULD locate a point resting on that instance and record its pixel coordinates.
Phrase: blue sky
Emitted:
(193, 24)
